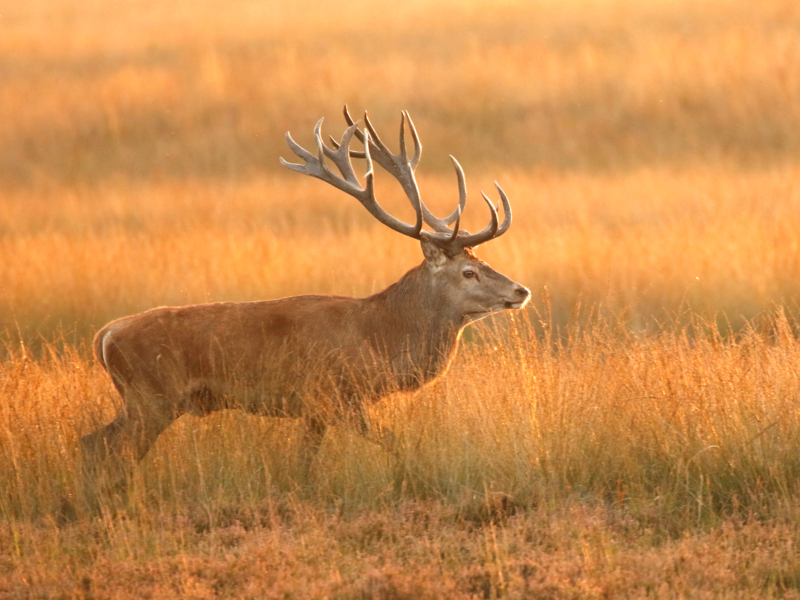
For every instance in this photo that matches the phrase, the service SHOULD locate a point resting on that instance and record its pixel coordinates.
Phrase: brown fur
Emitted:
(320, 358)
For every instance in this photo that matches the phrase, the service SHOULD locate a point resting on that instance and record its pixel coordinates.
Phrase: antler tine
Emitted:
(315, 165)
(359, 135)
(443, 225)
(403, 151)
(348, 182)
(299, 151)
(372, 203)
(455, 243)
(506, 211)
(448, 240)
(417, 143)
(396, 164)
(320, 145)
(376, 140)
(457, 225)
(353, 153)
(350, 121)
(340, 157)
(492, 230)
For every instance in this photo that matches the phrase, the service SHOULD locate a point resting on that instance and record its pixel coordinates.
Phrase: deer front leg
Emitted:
(312, 439)
(374, 432)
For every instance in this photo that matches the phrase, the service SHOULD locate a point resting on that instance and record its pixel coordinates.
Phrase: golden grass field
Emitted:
(634, 433)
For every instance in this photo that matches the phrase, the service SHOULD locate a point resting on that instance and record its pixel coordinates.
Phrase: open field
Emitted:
(636, 433)
(650, 154)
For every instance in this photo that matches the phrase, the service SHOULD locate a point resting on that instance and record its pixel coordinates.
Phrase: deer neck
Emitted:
(422, 303)
(419, 322)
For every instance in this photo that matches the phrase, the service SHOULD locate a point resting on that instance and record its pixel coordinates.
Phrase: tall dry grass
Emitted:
(634, 433)
(685, 425)
(627, 444)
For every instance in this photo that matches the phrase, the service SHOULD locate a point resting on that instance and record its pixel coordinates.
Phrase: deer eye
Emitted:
(469, 274)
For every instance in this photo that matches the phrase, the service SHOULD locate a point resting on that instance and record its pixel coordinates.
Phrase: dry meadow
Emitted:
(634, 433)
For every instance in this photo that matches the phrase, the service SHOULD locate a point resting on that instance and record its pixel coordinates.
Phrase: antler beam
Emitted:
(315, 166)
(452, 240)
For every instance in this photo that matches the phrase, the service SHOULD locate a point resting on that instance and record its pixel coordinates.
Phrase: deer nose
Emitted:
(522, 292)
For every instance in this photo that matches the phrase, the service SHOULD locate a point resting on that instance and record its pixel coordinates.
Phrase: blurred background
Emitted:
(650, 150)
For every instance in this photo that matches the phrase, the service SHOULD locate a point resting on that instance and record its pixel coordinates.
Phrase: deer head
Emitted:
(469, 286)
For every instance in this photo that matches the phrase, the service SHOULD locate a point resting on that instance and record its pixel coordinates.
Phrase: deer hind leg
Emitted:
(110, 452)
(314, 431)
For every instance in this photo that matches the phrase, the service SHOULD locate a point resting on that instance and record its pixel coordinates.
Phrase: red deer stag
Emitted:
(320, 358)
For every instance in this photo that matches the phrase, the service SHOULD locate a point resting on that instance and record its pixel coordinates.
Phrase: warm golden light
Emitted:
(634, 432)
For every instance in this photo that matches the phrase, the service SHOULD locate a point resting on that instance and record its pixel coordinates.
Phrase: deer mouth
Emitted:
(514, 305)
(488, 311)
(493, 310)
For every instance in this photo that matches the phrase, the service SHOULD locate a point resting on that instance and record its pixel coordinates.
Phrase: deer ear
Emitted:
(434, 256)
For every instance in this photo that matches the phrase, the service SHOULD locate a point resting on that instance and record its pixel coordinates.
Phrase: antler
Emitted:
(451, 240)
(399, 165)
(348, 183)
